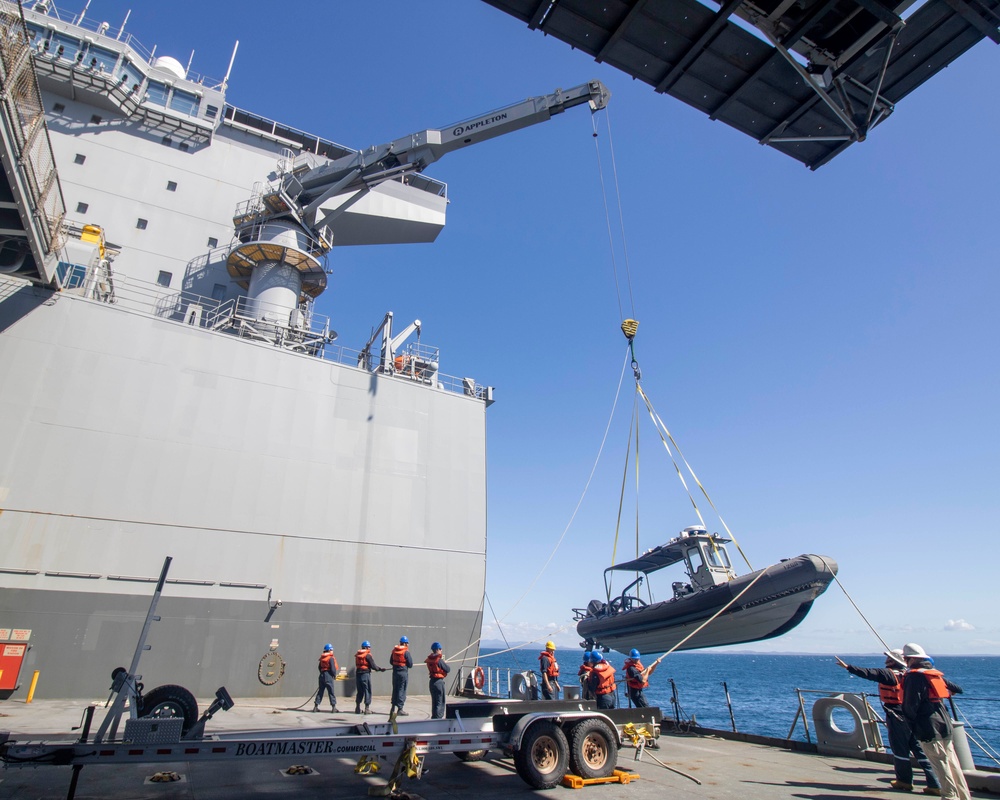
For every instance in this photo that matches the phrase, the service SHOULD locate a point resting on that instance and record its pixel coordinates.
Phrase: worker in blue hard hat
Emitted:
(636, 677)
(364, 665)
(584, 675)
(602, 681)
(402, 663)
(327, 673)
(437, 669)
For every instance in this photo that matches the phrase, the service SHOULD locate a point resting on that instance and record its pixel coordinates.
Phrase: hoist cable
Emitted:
(607, 214)
(621, 218)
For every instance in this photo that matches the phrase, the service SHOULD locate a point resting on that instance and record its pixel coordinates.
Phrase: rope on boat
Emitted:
(851, 599)
(661, 429)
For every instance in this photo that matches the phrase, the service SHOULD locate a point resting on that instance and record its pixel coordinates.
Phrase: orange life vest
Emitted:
(605, 679)
(553, 670)
(324, 662)
(398, 657)
(938, 689)
(641, 683)
(585, 670)
(361, 661)
(433, 667)
(892, 695)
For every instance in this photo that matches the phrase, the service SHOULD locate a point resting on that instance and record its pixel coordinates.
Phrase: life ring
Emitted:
(478, 677)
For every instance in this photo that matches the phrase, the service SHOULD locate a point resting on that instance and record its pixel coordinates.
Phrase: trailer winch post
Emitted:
(125, 684)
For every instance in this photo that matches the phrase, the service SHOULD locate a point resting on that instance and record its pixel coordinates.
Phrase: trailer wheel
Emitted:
(471, 755)
(171, 701)
(593, 749)
(543, 756)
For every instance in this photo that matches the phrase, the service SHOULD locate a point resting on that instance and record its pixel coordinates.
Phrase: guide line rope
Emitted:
(579, 503)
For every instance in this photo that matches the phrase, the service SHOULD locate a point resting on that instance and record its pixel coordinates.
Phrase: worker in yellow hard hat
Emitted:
(549, 668)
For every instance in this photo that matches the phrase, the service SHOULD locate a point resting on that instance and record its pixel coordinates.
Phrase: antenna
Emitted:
(121, 30)
(225, 81)
(83, 13)
(188, 70)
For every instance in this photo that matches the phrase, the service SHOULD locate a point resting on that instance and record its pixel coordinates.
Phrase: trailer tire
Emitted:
(543, 757)
(171, 701)
(593, 749)
(471, 755)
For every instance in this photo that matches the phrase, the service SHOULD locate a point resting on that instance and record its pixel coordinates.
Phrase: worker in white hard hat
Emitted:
(902, 742)
(549, 668)
(924, 692)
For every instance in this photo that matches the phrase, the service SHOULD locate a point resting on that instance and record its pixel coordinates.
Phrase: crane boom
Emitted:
(309, 185)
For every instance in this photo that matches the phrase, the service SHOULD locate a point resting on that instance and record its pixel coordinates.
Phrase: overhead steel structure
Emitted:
(810, 79)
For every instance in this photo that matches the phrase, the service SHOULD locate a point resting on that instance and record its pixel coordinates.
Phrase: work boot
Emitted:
(932, 790)
(402, 713)
(316, 709)
(368, 709)
(333, 709)
(899, 786)
(357, 709)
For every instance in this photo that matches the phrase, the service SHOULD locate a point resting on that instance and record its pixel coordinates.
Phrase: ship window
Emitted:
(213, 242)
(167, 141)
(183, 146)
(79, 159)
(171, 186)
(103, 60)
(211, 112)
(58, 108)
(163, 279)
(156, 93)
(219, 292)
(81, 208)
(96, 120)
(141, 224)
(185, 102)
(68, 47)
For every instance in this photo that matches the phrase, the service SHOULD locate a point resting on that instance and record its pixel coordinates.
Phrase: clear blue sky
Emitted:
(823, 345)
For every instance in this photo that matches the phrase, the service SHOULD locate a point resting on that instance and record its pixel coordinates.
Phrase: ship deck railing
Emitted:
(302, 331)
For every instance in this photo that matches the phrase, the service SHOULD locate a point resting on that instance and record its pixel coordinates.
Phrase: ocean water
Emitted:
(762, 688)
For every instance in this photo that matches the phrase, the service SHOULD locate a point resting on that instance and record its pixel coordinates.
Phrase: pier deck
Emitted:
(727, 769)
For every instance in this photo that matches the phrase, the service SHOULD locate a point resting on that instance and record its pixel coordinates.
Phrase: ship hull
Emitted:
(302, 502)
(777, 602)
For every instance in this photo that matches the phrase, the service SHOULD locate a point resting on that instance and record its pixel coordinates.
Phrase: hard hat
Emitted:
(633, 653)
(896, 656)
(403, 640)
(550, 645)
(913, 650)
(587, 655)
(436, 646)
(327, 648)
(365, 644)
(596, 657)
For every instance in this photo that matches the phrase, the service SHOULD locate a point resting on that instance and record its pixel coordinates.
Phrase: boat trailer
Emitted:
(547, 739)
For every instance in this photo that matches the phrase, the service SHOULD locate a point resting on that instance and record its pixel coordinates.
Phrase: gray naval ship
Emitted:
(168, 388)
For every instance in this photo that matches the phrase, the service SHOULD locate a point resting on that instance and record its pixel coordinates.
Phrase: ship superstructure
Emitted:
(168, 389)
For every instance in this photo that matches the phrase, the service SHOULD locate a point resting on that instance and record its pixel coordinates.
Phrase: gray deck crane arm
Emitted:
(309, 186)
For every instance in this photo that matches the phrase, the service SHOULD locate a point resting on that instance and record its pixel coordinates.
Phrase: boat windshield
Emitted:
(717, 556)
